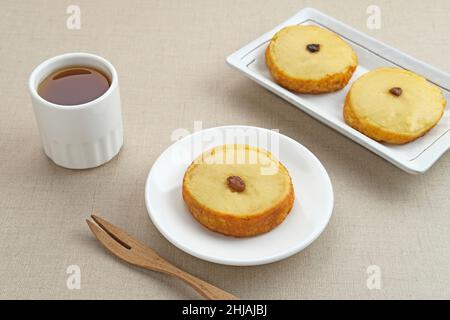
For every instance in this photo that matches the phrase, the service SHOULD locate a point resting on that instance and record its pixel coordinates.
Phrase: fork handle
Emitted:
(204, 288)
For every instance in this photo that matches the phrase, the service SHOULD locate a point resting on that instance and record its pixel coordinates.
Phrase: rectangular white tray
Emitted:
(414, 157)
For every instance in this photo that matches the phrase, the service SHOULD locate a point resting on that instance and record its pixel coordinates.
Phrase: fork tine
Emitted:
(109, 243)
(124, 238)
(118, 234)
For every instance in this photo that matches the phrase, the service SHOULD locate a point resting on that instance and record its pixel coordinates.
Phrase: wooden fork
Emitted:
(132, 251)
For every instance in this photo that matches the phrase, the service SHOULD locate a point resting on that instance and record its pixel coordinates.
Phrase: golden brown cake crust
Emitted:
(238, 225)
(375, 132)
(328, 83)
(380, 133)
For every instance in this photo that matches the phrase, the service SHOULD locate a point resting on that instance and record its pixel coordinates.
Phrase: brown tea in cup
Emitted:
(74, 85)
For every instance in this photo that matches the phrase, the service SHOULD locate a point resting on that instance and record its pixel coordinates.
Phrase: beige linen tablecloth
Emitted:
(170, 56)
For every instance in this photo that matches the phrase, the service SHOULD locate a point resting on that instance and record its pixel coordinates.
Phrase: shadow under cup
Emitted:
(78, 136)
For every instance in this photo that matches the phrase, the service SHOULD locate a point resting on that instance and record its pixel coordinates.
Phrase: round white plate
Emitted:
(309, 216)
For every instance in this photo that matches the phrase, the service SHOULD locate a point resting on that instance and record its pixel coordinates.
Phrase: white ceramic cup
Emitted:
(78, 136)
